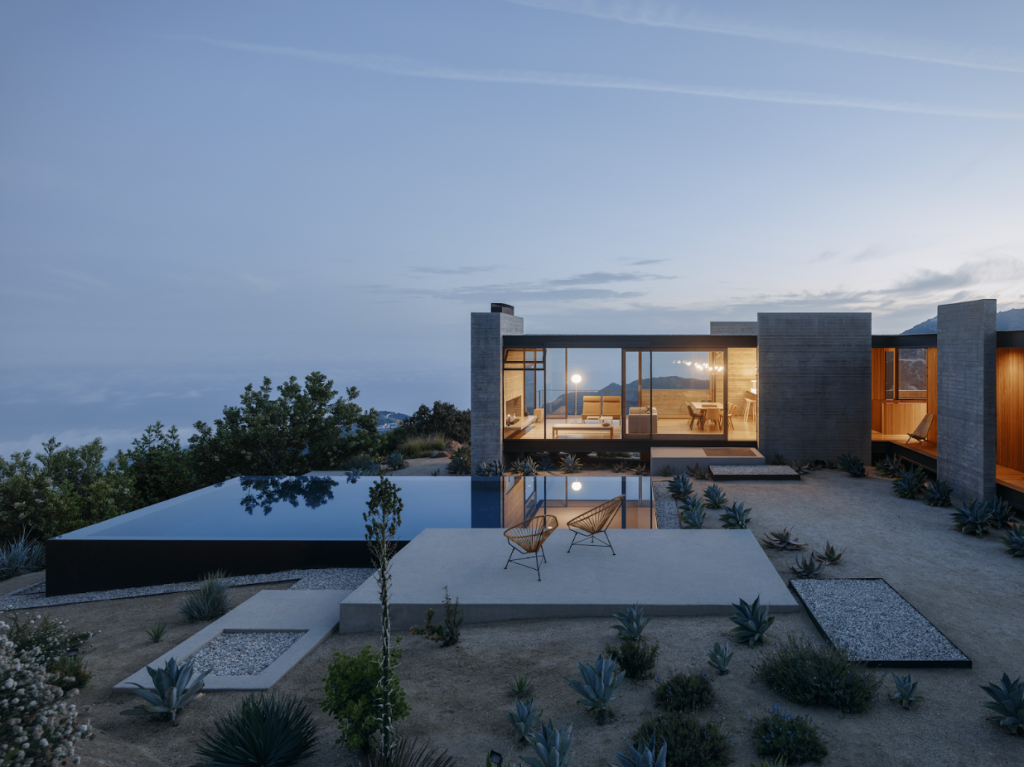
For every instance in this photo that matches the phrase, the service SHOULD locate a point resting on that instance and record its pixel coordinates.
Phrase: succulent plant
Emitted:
(735, 517)
(1002, 514)
(1014, 540)
(779, 761)
(546, 464)
(691, 513)
(680, 487)
(492, 469)
(719, 657)
(852, 465)
(352, 475)
(782, 540)
(972, 518)
(571, 464)
(800, 467)
(157, 632)
(938, 493)
(621, 467)
(1008, 703)
(714, 496)
(460, 465)
(910, 483)
(752, 621)
(889, 467)
(395, 460)
(264, 730)
(640, 469)
(523, 718)
(905, 690)
(666, 471)
(697, 472)
(551, 745)
(830, 557)
(527, 467)
(521, 686)
(631, 622)
(175, 689)
(645, 758)
(778, 459)
(598, 684)
(807, 567)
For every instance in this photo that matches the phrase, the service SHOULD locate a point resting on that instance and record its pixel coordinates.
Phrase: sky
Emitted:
(196, 195)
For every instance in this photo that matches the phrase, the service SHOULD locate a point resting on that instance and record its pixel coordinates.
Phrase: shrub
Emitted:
(54, 641)
(39, 728)
(20, 556)
(818, 675)
(636, 657)
(351, 696)
(209, 601)
(261, 731)
(795, 738)
(411, 753)
(422, 445)
(444, 418)
(446, 633)
(690, 742)
(684, 692)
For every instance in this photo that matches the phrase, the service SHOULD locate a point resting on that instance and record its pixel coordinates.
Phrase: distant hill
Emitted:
(632, 395)
(1011, 319)
(389, 419)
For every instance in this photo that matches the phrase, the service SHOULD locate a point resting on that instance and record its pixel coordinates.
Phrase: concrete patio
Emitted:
(695, 572)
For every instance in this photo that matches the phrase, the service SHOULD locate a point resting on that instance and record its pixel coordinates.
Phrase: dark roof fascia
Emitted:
(628, 342)
(1010, 339)
(917, 341)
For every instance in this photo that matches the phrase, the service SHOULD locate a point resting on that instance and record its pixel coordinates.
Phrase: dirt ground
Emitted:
(969, 588)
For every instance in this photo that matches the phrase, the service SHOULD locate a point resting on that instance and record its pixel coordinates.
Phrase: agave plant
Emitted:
(910, 483)
(778, 459)
(852, 465)
(735, 517)
(523, 718)
(830, 557)
(396, 460)
(645, 758)
(571, 464)
(1002, 514)
(521, 686)
(551, 745)
(691, 513)
(666, 471)
(889, 467)
(546, 464)
(1014, 540)
(782, 540)
(800, 467)
(175, 689)
(352, 475)
(752, 621)
(492, 469)
(938, 493)
(460, 465)
(621, 467)
(598, 685)
(905, 690)
(262, 731)
(807, 567)
(972, 518)
(1008, 702)
(680, 487)
(640, 469)
(631, 622)
(697, 472)
(527, 467)
(714, 496)
(719, 657)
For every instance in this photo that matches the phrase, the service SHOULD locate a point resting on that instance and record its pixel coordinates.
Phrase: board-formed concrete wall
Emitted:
(966, 434)
(734, 328)
(486, 399)
(814, 385)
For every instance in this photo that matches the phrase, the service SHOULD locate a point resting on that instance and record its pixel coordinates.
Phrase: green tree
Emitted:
(301, 430)
(159, 465)
(444, 418)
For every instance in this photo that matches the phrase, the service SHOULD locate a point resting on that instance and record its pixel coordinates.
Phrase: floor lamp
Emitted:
(575, 393)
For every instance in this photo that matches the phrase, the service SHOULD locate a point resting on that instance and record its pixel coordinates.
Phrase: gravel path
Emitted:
(665, 505)
(870, 618)
(243, 653)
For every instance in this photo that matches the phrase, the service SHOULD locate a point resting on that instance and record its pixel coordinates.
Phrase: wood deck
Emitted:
(1006, 476)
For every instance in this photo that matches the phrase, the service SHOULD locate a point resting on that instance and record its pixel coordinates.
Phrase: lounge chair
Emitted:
(529, 538)
(611, 408)
(921, 432)
(591, 408)
(595, 522)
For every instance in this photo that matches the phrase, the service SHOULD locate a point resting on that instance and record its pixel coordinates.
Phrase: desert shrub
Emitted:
(422, 445)
(818, 675)
(794, 738)
(53, 640)
(209, 601)
(461, 463)
(635, 656)
(159, 465)
(411, 753)
(351, 696)
(444, 418)
(261, 731)
(691, 742)
(684, 692)
(21, 555)
(38, 726)
(446, 633)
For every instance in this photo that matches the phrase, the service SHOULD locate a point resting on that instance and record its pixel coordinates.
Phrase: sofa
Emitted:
(642, 420)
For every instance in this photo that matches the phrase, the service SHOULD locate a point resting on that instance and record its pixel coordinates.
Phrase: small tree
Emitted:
(444, 418)
(383, 519)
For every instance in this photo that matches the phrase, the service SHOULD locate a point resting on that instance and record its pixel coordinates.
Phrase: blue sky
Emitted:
(195, 195)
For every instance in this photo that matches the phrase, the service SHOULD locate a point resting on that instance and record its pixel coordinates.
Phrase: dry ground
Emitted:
(969, 588)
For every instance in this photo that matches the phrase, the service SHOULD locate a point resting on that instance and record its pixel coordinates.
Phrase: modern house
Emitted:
(798, 385)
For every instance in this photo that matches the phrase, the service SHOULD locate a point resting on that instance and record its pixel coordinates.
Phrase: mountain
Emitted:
(632, 396)
(1011, 319)
(389, 419)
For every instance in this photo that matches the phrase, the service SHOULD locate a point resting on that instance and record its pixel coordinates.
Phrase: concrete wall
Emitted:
(486, 396)
(966, 433)
(733, 328)
(814, 385)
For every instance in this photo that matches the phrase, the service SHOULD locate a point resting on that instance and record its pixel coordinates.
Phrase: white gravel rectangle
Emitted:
(243, 653)
(871, 619)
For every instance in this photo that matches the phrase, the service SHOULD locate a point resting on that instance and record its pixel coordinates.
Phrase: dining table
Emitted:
(707, 408)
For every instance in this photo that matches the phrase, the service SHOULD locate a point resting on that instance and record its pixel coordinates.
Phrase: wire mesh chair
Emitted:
(595, 522)
(529, 538)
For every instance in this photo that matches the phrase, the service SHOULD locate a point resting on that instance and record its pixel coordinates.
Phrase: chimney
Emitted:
(503, 309)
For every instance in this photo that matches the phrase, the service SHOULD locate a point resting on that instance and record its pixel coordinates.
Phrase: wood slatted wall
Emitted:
(933, 393)
(1010, 408)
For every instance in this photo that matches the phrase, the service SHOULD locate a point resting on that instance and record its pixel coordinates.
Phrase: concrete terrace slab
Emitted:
(719, 473)
(691, 572)
(314, 612)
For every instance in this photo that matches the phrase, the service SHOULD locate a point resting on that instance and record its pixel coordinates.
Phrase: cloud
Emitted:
(404, 67)
(660, 14)
(453, 270)
(603, 278)
(649, 262)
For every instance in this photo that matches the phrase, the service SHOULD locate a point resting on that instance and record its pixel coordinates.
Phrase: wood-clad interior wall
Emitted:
(672, 402)
(514, 383)
(1010, 408)
(933, 393)
(877, 388)
(888, 417)
(902, 417)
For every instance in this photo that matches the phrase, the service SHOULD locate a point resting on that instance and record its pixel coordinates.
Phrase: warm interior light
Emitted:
(576, 378)
(577, 486)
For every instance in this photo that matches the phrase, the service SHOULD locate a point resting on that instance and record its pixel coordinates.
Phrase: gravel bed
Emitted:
(870, 618)
(665, 506)
(339, 578)
(243, 653)
(725, 472)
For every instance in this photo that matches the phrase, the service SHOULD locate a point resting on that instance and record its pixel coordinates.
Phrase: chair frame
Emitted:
(536, 538)
(595, 522)
(921, 432)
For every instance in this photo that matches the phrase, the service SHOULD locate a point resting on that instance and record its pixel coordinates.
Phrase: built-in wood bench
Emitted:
(521, 424)
(582, 427)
